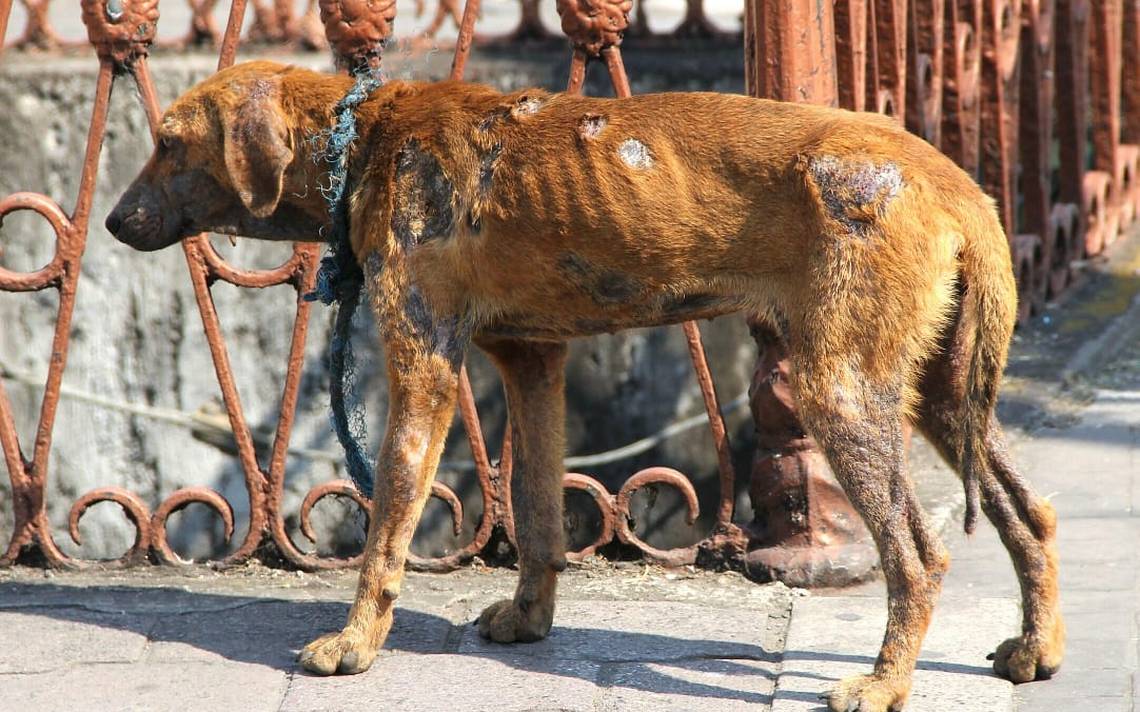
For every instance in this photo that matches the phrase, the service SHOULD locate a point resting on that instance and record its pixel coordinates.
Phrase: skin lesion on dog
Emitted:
(424, 197)
(590, 126)
(487, 164)
(605, 286)
(518, 110)
(635, 154)
(855, 192)
(447, 336)
(527, 105)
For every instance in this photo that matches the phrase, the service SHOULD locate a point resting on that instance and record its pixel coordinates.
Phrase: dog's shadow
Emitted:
(183, 625)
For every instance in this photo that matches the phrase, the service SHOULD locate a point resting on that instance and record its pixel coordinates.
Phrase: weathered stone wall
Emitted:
(137, 335)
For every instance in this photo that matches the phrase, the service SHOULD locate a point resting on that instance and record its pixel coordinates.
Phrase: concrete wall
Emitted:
(137, 334)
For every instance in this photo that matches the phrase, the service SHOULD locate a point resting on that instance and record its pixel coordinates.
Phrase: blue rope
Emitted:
(340, 280)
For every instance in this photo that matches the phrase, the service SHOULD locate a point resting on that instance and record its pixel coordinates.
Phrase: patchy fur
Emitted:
(519, 221)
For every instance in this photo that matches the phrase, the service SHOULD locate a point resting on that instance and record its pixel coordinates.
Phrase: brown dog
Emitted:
(519, 221)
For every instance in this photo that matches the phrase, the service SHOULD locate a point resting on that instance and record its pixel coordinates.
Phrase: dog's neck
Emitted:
(310, 100)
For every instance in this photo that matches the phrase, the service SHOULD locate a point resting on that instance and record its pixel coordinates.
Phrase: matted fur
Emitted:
(517, 221)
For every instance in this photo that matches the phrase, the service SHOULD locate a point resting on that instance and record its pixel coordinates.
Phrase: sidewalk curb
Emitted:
(832, 637)
(1096, 353)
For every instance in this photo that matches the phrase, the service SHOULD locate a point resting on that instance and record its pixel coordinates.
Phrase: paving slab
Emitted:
(273, 632)
(1099, 443)
(414, 682)
(31, 642)
(617, 631)
(738, 685)
(171, 687)
(834, 637)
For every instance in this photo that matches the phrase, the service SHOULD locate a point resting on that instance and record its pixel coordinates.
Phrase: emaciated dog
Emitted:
(519, 221)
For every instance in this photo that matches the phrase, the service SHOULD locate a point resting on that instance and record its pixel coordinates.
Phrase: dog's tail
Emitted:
(989, 310)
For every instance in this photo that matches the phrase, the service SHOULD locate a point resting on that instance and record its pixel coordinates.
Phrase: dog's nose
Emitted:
(113, 223)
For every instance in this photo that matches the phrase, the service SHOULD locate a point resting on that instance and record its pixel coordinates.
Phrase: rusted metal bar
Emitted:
(1130, 80)
(38, 32)
(889, 83)
(850, 52)
(961, 87)
(803, 531)
(924, 51)
(696, 23)
(203, 30)
(530, 25)
(792, 51)
(1036, 143)
(1105, 89)
(5, 13)
(1001, 32)
(1072, 81)
(466, 37)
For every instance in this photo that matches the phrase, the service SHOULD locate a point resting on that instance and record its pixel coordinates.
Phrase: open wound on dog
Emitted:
(605, 286)
(526, 105)
(423, 199)
(483, 186)
(590, 126)
(444, 335)
(855, 192)
(635, 154)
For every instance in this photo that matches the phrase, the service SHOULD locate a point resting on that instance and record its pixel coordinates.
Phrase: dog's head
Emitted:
(224, 161)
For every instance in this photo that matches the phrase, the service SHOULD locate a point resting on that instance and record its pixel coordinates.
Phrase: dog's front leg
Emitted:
(423, 351)
(534, 379)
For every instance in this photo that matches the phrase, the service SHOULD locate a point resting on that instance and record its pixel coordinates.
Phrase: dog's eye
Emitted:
(167, 141)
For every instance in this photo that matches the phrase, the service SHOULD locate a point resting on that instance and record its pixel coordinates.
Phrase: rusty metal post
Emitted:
(1036, 142)
(1001, 34)
(961, 87)
(889, 82)
(850, 52)
(38, 32)
(804, 531)
(1105, 85)
(924, 51)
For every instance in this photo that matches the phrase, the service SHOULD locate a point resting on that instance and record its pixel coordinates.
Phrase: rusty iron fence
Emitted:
(1029, 96)
(121, 31)
(297, 25)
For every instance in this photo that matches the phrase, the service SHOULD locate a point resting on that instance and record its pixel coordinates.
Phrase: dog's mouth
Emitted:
(142, 229)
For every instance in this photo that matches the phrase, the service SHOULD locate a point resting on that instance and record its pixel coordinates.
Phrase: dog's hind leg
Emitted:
(533, 377)
(859, 425)
(1025, 522)
(423, 352)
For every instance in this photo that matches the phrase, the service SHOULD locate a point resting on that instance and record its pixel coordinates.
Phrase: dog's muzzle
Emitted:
(139, 225)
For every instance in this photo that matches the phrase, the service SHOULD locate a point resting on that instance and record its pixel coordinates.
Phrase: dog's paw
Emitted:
(506, 622)
(868, 693)
(343, 653)
(1027, 658)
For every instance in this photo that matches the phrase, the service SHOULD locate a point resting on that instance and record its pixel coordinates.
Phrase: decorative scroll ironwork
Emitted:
(279, 23)
(991, 82)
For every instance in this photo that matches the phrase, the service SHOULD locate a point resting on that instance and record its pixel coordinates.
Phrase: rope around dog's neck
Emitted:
(340, 280)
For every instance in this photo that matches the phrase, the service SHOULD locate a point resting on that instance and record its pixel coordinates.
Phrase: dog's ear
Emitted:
(258, 148)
